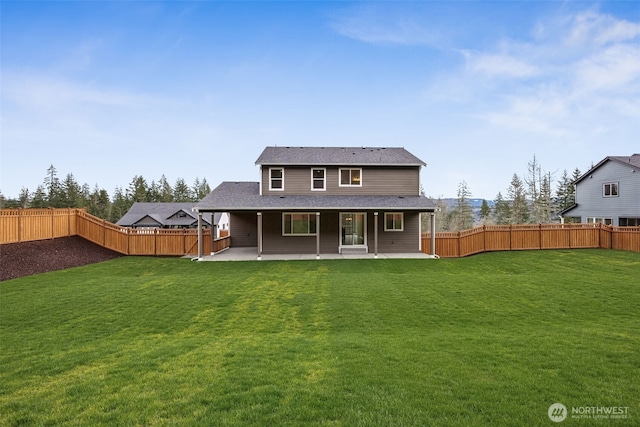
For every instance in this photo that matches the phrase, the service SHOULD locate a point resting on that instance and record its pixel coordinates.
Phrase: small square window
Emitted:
(350, 177)
(393, 221)
(610, 189)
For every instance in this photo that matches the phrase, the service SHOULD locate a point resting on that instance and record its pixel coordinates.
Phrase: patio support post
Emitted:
(375, 234)
(199, 235)
(259, 236)
(317, 235)
(213, 232)
(433, 233)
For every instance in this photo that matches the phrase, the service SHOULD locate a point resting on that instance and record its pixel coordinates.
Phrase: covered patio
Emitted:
(318, 227)
(251, 254)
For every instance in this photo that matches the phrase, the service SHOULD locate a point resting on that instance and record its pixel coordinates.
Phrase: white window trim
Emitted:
(340, 184)
(617, 184)
(310, 214)
(599, 220)
(401, 221)
(271, 180)
(324, 179)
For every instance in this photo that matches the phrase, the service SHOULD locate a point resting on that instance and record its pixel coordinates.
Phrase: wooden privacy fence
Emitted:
(23, 225)
(533, 236)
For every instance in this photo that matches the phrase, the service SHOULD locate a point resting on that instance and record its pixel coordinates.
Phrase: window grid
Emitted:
(276, 179)
(299, 224)
(393, 221)
(318, 179)
(610, 189)
(350, 177)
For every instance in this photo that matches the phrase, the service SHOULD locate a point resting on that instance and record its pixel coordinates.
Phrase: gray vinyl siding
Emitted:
(383, 181)
(243, 228)
(592, 203)
(406, 241)
(274, 242)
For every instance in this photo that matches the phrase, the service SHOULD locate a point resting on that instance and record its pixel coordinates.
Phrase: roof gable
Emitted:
(632, 161)
(165, 214)
(362, 156)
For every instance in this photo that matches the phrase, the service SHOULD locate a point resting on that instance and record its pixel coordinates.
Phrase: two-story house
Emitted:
(326, 200)
(609, 193)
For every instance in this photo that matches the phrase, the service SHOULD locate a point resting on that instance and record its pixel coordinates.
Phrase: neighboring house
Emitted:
(327, 200)
(609, 193)
(170, 215)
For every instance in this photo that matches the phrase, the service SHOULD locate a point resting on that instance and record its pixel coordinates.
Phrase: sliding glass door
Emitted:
(353, 227)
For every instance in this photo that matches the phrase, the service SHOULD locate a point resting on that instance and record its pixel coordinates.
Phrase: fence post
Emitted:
(19, 224)
(459, 244)
(484, 238)
(52, 223)
(539, 236)
(510, 237)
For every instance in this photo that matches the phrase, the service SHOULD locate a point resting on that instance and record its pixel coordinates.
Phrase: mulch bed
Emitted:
(27, 258)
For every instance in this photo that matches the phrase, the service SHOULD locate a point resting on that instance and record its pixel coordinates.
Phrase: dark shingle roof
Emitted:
(161, 213)
(632, 161)
(235, 196)
(363, 156)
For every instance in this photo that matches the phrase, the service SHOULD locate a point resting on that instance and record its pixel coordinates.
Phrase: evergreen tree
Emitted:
(119, 206)
(181, 191)
(200, 189)
(462, 215)
(138, 190)
(52, 186)
(39, 199)
(154, 192)
(24, 198)
(518, 197)
(70, 193)
(166, 192)
(99, 204)
(501, 210)
(545, 200)
(485, 212)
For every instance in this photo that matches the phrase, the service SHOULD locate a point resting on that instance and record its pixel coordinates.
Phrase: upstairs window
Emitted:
(276, 179)
(610, 189)
(318, 179)
(350, 177)
(393, 221)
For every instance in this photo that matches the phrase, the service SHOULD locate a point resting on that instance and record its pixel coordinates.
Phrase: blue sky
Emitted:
(109, 90)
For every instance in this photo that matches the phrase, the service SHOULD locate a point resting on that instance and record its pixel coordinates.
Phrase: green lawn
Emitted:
(492, 339)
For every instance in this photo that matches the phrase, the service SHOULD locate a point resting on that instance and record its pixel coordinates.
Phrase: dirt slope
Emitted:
(25, 259)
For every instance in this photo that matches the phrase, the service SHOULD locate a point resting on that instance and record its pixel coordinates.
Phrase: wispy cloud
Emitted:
(499, 65)
(386, 24)
(552, 89)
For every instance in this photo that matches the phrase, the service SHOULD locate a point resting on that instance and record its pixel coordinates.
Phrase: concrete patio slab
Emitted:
(251, 254)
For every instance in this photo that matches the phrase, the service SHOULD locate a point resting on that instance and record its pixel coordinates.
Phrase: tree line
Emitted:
(535, 198)
(68, 193)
